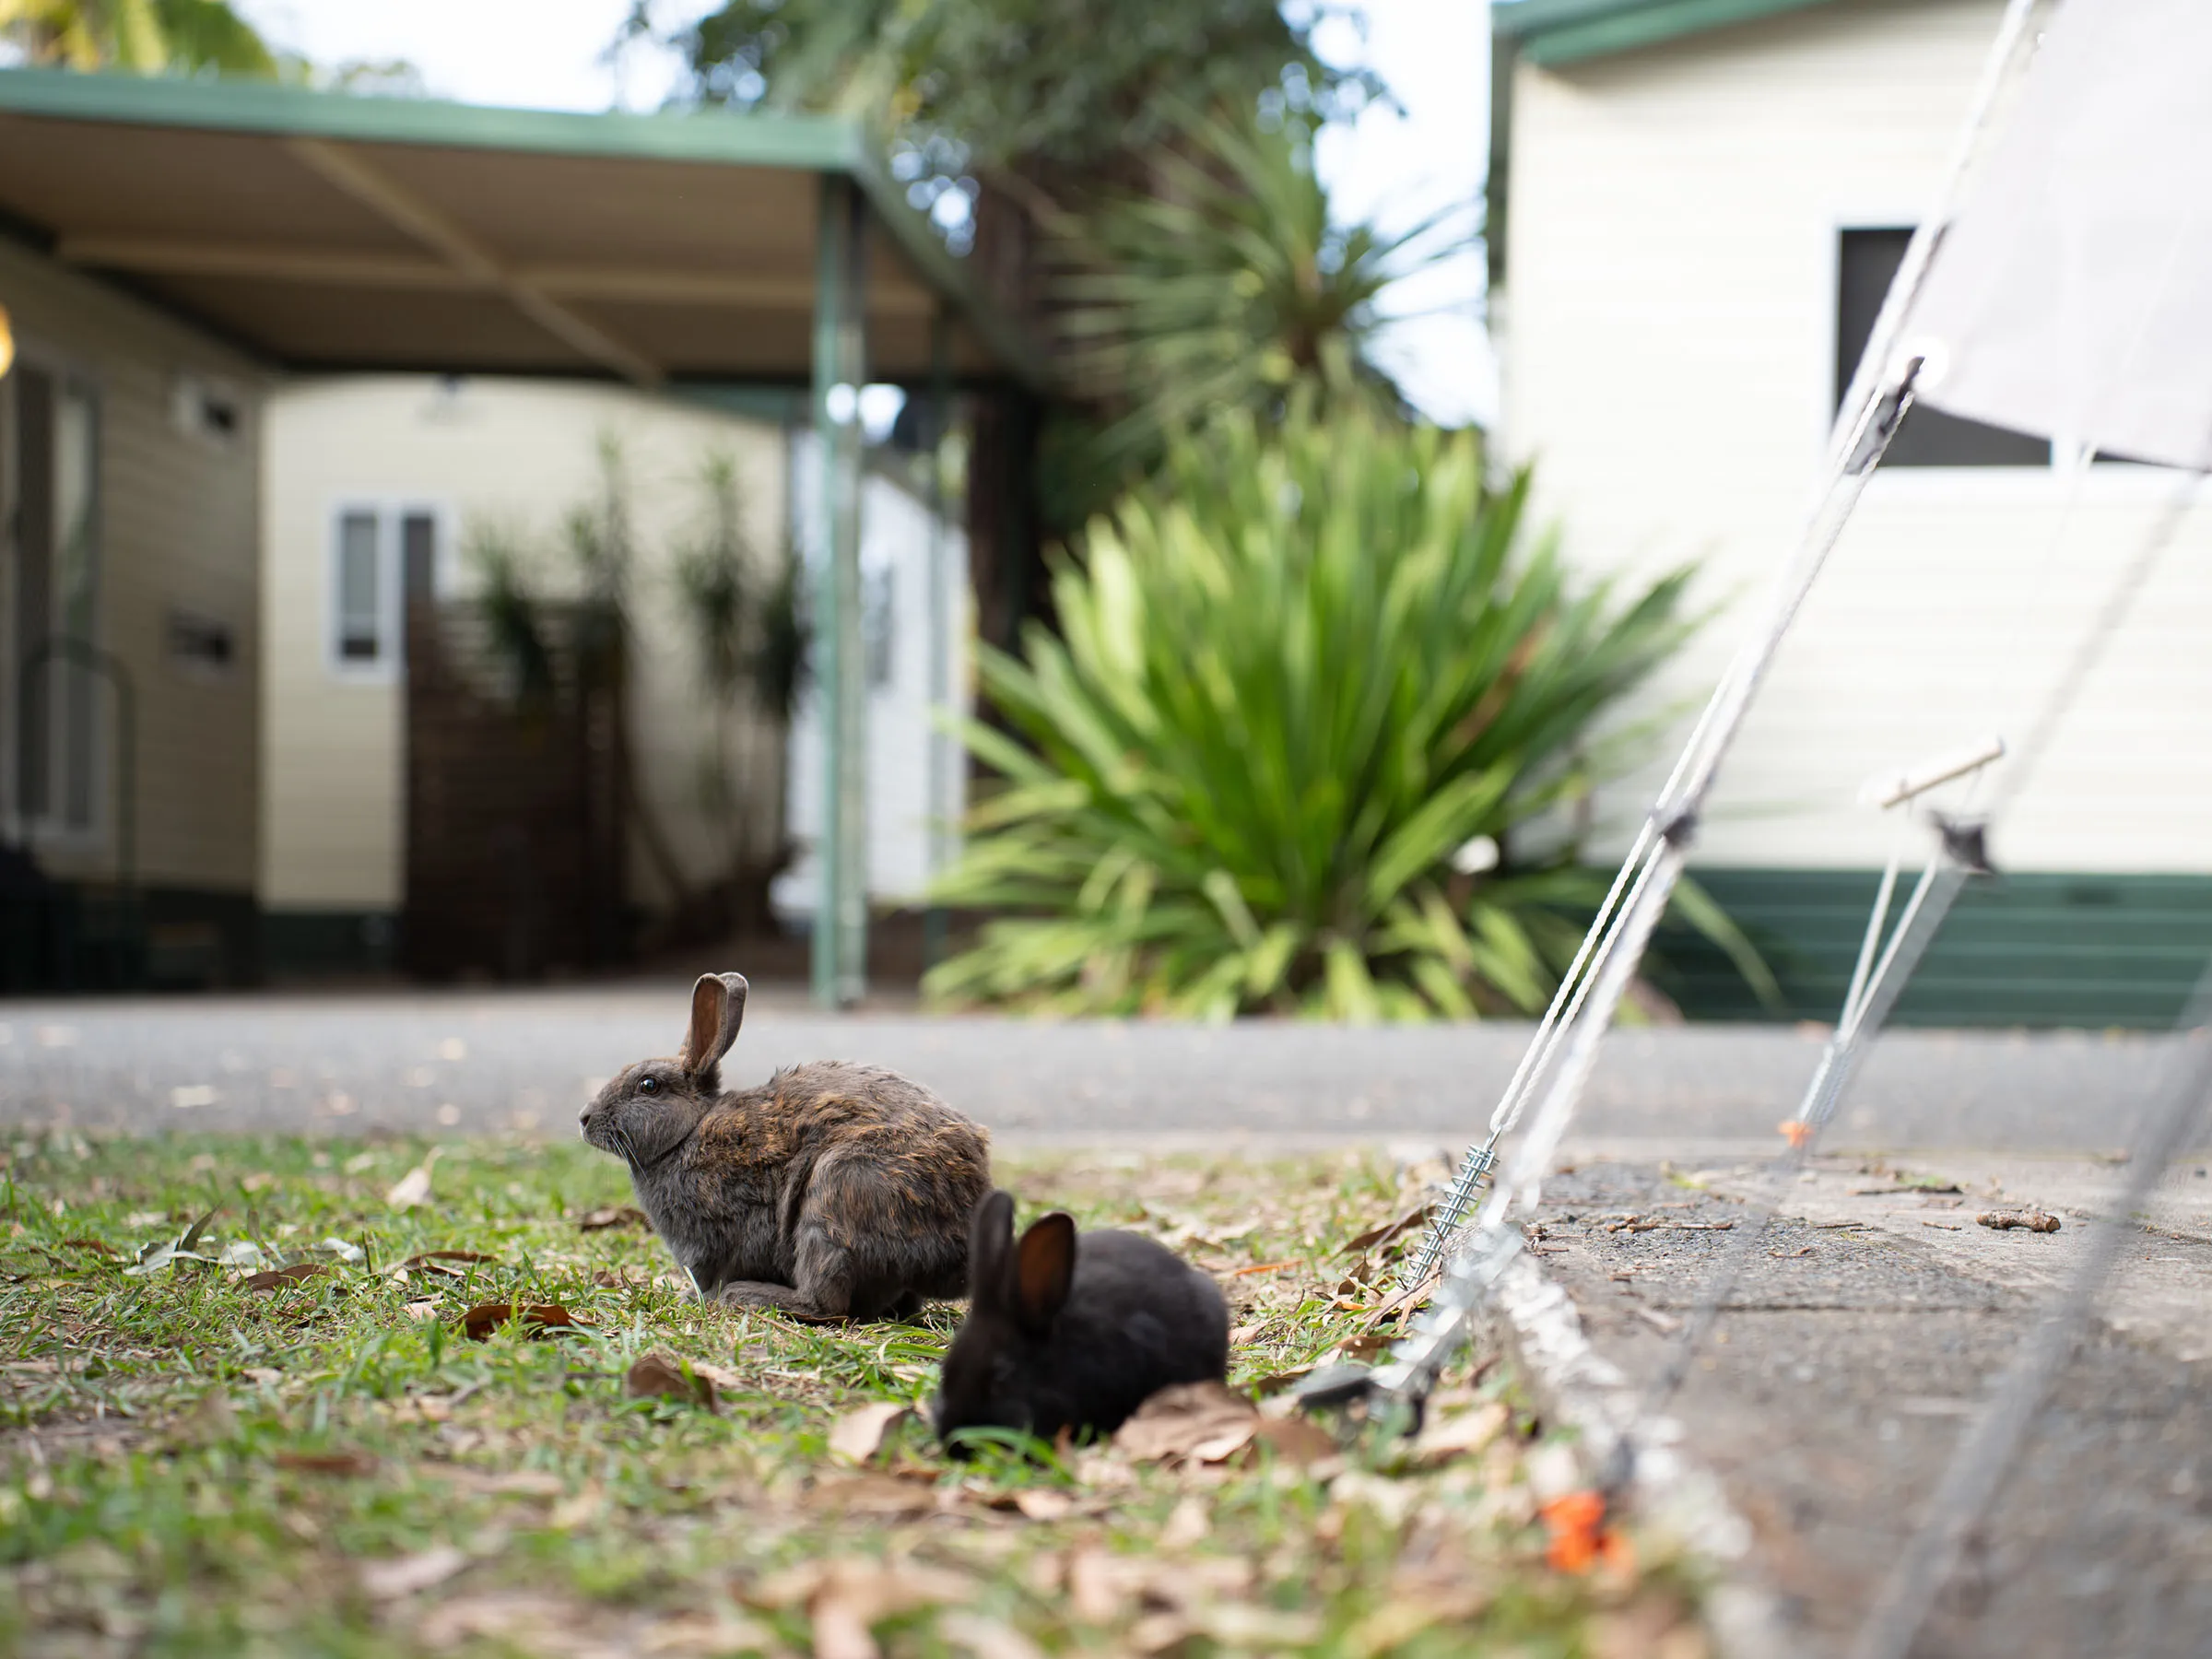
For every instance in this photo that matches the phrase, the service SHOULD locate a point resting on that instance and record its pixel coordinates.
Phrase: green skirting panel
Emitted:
(2043, 949)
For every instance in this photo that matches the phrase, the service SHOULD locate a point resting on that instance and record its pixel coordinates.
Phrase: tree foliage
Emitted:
(1226, 285)
(1053, 90)
(147, 37)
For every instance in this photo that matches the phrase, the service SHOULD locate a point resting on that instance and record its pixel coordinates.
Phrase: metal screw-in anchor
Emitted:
(1477, 1172)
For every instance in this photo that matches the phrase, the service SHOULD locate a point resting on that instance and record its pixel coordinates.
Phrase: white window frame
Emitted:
(390, 513)
(2061, 480)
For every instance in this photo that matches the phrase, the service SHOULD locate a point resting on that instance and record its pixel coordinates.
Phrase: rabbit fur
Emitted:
(832, 1191)
(1074, 1334)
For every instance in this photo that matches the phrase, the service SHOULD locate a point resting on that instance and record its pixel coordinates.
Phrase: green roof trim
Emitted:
(811, 142)
(1566, 31)
(818, 144)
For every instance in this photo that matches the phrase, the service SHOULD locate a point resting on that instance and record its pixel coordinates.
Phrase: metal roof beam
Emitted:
(189, 257)
(401, 208)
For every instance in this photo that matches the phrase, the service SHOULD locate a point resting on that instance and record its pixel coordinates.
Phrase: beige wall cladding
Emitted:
(178, 538)
(518, 455)
(1670, 351)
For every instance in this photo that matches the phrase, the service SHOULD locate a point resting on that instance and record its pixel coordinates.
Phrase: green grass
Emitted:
(188, 1466)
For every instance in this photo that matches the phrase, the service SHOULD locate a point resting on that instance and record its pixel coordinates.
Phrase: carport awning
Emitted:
(332, 232)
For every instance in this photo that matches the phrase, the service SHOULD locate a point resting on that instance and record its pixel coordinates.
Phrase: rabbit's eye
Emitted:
(649, 1085)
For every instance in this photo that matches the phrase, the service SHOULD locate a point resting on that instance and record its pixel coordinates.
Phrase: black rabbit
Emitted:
(831, 1191)
(1074, 1334)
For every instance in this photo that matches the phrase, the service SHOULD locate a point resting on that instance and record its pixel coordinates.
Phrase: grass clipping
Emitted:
(494, 1420)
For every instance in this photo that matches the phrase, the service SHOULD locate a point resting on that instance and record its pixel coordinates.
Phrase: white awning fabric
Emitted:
(2072, 295)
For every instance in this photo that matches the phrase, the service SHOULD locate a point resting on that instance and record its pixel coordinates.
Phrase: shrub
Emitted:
(1300, 676)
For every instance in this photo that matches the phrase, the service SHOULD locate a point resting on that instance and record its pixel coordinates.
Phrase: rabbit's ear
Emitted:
(717, 1010)
(991, 1253)
(1045, 1270)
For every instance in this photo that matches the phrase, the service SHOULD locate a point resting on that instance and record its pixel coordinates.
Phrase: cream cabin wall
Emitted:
(1668, 362)
(176, 538)
(518, 455)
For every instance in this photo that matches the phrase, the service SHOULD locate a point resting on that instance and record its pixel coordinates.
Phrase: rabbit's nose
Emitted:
(583, 1118)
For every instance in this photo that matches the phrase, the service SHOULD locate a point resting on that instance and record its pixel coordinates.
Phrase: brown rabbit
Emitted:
(831, 1191)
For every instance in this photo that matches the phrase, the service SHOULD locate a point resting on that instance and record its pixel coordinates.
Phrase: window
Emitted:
(54, 464)
(1866, 261)
(361, 595)
(382, 559)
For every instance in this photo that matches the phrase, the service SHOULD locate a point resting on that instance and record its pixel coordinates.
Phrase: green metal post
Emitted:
(840, 928)
(938, 799)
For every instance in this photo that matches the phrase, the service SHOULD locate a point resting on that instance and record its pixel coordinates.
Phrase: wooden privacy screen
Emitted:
(514, 770)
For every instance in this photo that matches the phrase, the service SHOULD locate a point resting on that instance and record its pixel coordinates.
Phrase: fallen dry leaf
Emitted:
(2031, 1220)
(860, 1433)
(1296, 1439)
(614, 1214)
(1463, 1432)
(1389, 1231)
(327, 1463)
(573, 1512)
(276, 1278)
(1365, 1345)
(1404, 1616)
(659, 1376)
(1186, 1526)
(93, 1244)
(880, 1496)
(1267, 1267)
(1202, 1422)
(536, 1318)
(1253, 1629)
(986, 1638)
(410, 1575)
(413, 1187)
(846, 1598)
(1041, 1503)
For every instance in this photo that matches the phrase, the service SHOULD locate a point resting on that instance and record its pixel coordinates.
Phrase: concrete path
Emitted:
(1861, 1343)
(478, 1062)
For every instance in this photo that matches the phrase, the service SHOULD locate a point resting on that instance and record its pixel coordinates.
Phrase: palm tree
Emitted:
(143, 37)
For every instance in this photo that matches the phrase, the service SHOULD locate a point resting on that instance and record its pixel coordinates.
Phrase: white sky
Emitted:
(1434, 54)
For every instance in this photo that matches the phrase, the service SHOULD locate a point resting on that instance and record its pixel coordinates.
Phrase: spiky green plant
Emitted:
(1230, 284)
(1298, 676)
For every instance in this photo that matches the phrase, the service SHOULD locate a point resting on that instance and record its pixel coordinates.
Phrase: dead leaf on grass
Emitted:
(1279, 1380)
(1365, 1345)
(879, 1496)
(276, 1278)
(1186, 1526)
(859, 1434)
(92, 1244)
(410, 1575)
(1042, 1504)
(536, 1318)
(1204, 1422)
(613, 1215)
(414, 1188)
(327, 1463)
(1389, 1231)
(1405, 1616)
(426, 1309)
(846, 1598)
(1296, 1439)
(659, 1376)
(1458, 1435)
(986, 1638)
